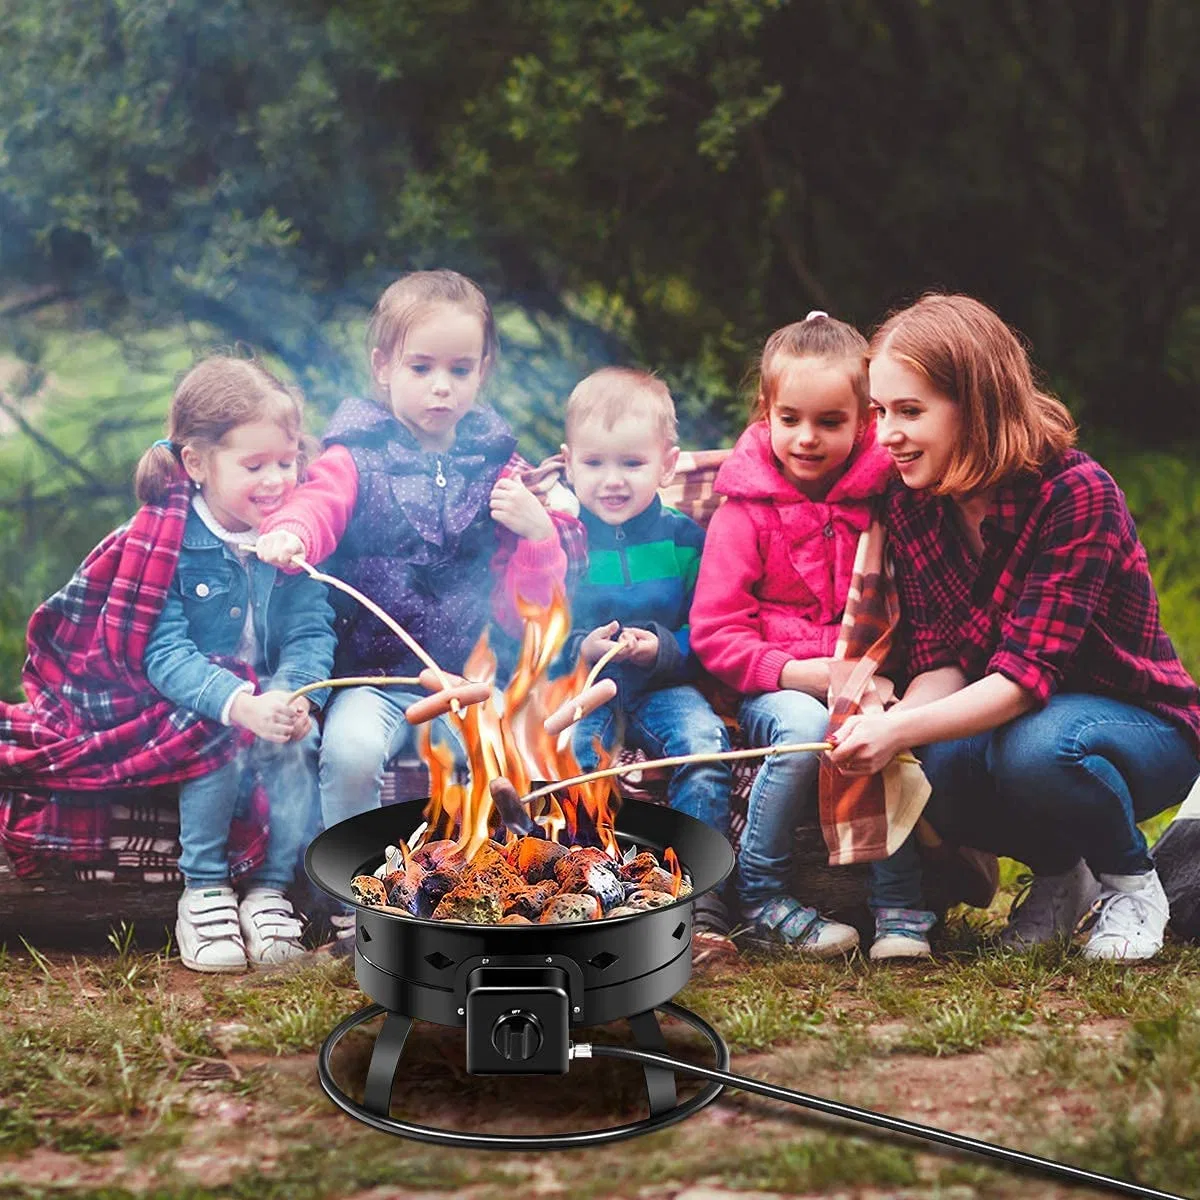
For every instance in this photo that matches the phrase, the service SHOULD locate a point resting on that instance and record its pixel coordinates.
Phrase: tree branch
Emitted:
(59, 456)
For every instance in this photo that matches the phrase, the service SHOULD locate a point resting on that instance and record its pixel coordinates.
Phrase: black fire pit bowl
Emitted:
(614, 967)
(519, 989)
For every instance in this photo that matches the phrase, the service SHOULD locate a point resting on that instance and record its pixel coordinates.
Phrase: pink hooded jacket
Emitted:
(776, 566)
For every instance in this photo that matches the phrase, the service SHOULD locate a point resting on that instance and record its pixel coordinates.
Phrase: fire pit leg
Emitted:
(385, 1059)
(660, 1083)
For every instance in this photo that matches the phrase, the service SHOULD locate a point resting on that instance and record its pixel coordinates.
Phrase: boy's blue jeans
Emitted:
(364, 728)
(288, 774)
(665, 723)
(784, 790)
(1066, 782)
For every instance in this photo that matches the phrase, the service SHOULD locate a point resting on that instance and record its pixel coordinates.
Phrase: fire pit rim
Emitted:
(328, 850)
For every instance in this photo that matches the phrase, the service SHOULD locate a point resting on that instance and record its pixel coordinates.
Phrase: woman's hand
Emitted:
(279, 548)
(515, 507)
(269, 716)
(865, 744)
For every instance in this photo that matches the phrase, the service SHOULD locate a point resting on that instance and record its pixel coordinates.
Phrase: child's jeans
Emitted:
(895, 882)
(784, 790)
(288, 774)
(364, 729)
(665, 723)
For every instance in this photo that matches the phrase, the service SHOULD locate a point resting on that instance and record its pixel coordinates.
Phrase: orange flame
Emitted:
(671, 862)
(505, 736)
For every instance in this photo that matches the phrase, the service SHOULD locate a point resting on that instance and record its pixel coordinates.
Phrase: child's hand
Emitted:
(302, 722)
(809, 675)
(599, 642)
(516, 508)
(268, 716)
(643, 646)
(278, 548)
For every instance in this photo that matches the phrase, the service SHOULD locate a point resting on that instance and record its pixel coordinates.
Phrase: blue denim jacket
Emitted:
(205, 612)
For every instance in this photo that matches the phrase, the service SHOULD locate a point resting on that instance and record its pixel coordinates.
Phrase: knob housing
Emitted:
(517, 1020)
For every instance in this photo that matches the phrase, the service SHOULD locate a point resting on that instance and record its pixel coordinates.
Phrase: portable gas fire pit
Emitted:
(520, 990)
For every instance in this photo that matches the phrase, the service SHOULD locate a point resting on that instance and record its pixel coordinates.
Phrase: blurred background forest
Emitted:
(659, 183)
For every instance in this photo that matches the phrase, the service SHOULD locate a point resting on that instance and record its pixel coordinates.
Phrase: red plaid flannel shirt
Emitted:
(1061, 599)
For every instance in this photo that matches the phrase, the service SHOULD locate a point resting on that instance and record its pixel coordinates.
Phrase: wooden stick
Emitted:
(403, 634)
(351, 681)
(679, 759)
(600, 664)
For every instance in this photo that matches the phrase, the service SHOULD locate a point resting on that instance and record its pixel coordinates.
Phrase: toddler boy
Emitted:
(643, 558)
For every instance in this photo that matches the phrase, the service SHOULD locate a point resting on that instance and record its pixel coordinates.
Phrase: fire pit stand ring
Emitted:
(665, 1109)
(521, 991)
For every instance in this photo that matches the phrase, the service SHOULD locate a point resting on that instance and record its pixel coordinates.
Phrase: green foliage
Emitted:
(713, 167)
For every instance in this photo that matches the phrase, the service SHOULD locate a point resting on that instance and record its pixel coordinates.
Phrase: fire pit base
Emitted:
(665, 1108)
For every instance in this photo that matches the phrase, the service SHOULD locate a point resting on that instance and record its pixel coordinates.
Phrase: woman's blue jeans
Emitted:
(288, 774)
(664, 724)
(1068, 781)
(364, 729)
(783, 793)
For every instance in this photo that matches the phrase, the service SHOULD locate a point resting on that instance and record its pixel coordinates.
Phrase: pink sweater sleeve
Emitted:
(726, 631)
(320, 508)
(532, 570)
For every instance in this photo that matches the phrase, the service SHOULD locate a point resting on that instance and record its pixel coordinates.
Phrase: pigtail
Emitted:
(158, 470)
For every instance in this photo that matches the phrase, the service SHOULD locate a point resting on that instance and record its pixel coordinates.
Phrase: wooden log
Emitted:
(59, 911)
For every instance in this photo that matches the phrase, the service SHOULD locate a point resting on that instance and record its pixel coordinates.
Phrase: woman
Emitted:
(1051, 709)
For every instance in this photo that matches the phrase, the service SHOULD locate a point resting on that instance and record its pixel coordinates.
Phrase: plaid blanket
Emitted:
(867, 817)
(546, 482)
(92, 726)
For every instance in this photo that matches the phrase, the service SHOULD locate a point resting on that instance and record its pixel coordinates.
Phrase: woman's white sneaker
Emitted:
(207, 931)
(1131, 919)
(270, 927)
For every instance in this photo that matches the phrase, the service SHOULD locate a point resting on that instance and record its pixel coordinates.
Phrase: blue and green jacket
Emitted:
(641, 573)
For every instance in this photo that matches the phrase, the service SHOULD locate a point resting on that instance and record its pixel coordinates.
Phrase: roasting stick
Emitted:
(351, 681)
(680, 759)
(454, 704)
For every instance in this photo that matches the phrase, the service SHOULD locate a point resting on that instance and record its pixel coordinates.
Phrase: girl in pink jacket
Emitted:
(774, 576)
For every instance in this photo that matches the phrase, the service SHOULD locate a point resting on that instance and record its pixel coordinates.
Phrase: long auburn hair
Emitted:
(969, 355)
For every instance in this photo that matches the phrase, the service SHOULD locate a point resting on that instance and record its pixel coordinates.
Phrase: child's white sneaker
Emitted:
(207, 932)
(345, 929)
(269, 927)
(900, 934)
(1051, 909)
(784, 921)
(1131, 918)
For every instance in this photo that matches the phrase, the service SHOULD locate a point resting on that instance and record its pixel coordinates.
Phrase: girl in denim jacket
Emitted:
(235, 430)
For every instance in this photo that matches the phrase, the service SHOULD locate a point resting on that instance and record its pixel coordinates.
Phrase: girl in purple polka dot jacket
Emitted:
(418, 497)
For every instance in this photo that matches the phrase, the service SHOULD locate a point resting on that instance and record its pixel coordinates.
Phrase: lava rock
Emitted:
(570, 907)
(367, 890)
